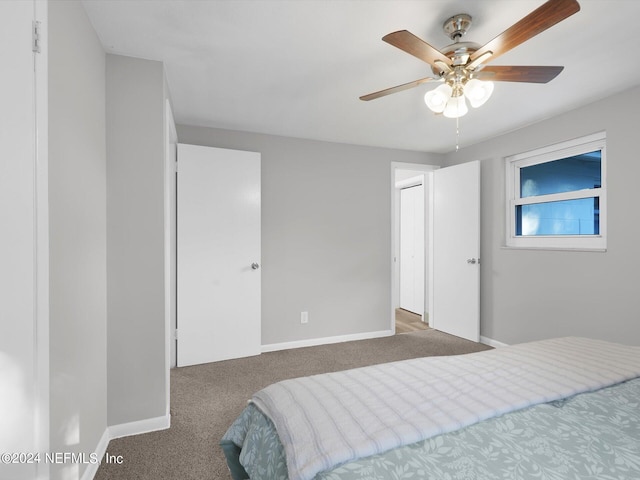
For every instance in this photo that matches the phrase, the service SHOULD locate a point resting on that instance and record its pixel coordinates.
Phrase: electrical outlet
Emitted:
(304, 317)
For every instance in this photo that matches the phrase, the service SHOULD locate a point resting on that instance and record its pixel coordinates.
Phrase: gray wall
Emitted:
(135, 93)
(529, 295)
(77, 216)
(326, 232)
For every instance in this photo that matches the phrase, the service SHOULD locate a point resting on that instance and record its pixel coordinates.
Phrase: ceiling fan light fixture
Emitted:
(438, 98)
(456, 107)
(478, 92)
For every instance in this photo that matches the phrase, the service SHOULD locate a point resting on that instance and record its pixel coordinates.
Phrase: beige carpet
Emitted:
(205, 399)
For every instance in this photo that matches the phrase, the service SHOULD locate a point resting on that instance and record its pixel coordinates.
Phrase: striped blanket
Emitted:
(326, 420)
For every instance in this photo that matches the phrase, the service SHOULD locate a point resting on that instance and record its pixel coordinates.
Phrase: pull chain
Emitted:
(457, 133)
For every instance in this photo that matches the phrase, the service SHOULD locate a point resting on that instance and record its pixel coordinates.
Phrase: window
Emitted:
(556, 196)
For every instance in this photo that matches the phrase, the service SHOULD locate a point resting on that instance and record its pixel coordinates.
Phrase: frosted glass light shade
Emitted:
(456, 107)
(437, 99)
(478, 92)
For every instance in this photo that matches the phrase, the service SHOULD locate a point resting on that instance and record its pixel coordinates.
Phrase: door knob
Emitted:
(472, 261)
(255, 266)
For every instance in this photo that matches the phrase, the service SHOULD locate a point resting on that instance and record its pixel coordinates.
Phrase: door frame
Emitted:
(395, 219)
(170, 151)
(42, 401)
(30, 306)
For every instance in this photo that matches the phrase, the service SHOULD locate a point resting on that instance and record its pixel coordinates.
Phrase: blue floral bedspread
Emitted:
(589, 436)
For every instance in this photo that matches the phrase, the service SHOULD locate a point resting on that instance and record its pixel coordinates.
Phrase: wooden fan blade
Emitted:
(399, 88)
(518, 74)
(544, 17)
(417, 47)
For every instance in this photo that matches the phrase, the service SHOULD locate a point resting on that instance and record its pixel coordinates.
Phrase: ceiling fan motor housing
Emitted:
(456, 26)
(459, 54)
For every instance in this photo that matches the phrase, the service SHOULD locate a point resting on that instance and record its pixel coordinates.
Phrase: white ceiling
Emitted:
(297, 67)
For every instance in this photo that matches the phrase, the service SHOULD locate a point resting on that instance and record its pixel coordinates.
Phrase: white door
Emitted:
(455, 252)
(412, 249)
(21, 342)
(218, 254)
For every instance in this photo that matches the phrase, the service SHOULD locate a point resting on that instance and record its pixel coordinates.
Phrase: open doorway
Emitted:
(410, 227)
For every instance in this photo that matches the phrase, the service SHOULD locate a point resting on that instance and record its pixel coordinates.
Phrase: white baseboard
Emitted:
(492, 343)
(312, 342)
(124, 430)
(140, 426)
(101, 448)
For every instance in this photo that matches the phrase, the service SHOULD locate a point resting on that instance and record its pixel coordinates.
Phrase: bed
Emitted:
(565, 408)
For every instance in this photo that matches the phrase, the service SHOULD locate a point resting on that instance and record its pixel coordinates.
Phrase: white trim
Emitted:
(558, 249)
(559, 197)
(139, 427)
(170, 140)
(313, 342)
(564, 149)
(41, 240)
(100, 450)
(430, 252)
(411, 182)
(492, 343)
(124, 430)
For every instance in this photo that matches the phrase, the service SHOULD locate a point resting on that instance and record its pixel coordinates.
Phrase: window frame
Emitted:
(546, 154)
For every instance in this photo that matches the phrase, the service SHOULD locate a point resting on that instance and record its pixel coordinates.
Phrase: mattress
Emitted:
(547, 434)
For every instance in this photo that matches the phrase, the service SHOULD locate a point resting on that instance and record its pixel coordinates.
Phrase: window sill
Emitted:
(555, 249)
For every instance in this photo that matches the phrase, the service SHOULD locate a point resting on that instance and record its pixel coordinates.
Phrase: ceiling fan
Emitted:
(461, 66)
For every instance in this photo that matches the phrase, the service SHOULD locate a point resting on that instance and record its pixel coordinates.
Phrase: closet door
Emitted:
(218, 254)
(412, 249)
